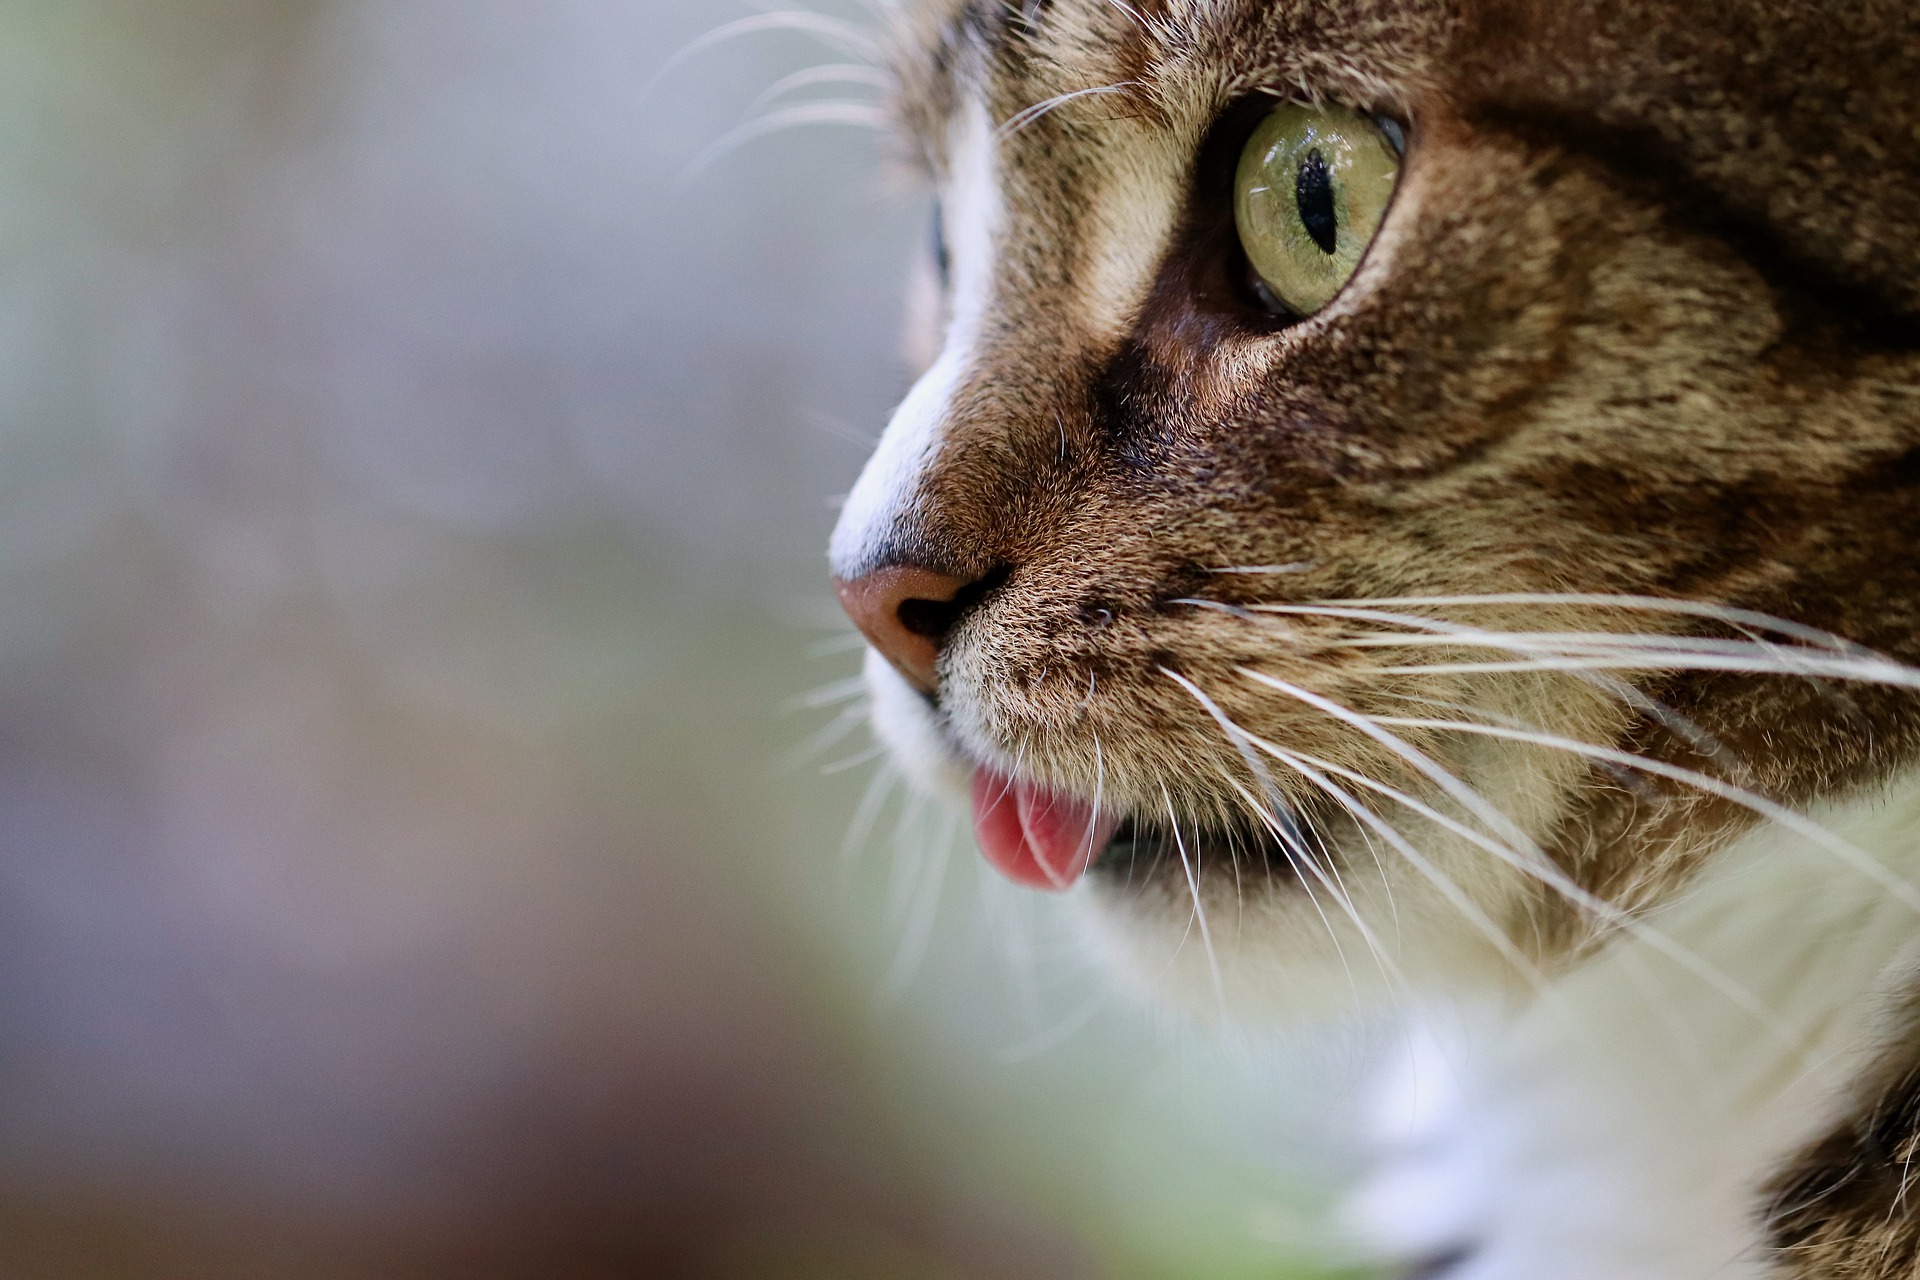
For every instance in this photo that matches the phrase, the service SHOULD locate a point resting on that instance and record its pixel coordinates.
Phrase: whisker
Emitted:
(843, 431)
(827, 695)
(811, 77)
(1572, 642)
(852, 762)
(822, 740)
(1528, 856)
(856, 114)
(1557, 880)
(1199, 909)
(838, 33)
(1456, 897)
(1298, 856)
(1303, 863)
(1133, 14)
(1906, 893)
(1266, 570)
(1858, 671)
(1028, 115)
(1438, 630)
(867, 814)
(917, 937)
(1462, 794)
(1598, 645)
(833, 646)
(1841, 660)
(1641, 603)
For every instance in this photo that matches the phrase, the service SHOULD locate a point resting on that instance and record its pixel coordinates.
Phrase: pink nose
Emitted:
(905, 612)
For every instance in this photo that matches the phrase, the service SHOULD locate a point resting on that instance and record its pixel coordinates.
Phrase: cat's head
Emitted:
(1361, 438)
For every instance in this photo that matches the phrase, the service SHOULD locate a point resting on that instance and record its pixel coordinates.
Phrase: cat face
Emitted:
(1417, 621)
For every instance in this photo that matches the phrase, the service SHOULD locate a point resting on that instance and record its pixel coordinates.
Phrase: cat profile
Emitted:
(1426, 492)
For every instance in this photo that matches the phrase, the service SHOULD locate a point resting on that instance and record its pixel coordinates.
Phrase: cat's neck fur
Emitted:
(1627, 1124)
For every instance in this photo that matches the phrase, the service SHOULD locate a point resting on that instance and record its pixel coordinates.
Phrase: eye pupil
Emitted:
(1313, 197)
(1310, 193)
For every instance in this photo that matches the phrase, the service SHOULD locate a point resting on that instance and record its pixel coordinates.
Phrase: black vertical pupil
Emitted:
(1313, 195)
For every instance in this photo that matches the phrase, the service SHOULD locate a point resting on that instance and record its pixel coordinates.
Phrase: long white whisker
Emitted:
(1099, 793)
(1565, 642)
(854, 761)
(1298, 856)
(833, 646)
(918, 934)
(1907, 894)
(1304, 864)
(1437, 631)
(1466, 796)
(1557, 880)
(1854, 671)
(1528, 855)
(1646, 604)
(1021, 119)
(1594, 651)
(822, 740)
(867, 813)
(837, 33)
(1133, 14)
(1199, 908)
(857, 114)
(1456, 897)
(810, 77)
(827, 694)
(1745, 621)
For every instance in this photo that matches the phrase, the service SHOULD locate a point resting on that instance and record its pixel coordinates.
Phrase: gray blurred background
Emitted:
(432, 837)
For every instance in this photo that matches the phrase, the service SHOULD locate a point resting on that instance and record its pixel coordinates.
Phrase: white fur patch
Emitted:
(973, 216)
(1623, 1125)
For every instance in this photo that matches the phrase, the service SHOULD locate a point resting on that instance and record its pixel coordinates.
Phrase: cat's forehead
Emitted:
(1151, 57)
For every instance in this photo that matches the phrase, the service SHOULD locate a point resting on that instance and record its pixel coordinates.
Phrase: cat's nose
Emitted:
(905, 612)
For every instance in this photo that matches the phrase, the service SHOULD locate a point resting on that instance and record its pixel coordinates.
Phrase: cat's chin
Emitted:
(1272, 949)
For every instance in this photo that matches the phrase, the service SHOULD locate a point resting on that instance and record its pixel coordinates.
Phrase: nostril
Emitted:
(907, 612)
(934, 619)
(931, 619)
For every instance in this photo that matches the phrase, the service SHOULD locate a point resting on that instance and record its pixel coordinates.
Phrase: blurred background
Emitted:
(436, 838)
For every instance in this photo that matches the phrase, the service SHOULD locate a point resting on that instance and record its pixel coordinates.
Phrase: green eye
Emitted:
(1313, 186)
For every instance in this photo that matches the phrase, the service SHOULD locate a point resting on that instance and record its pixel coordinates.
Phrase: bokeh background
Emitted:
(435, 838)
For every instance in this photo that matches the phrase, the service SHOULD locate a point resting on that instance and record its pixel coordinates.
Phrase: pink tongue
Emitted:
(1033, 837)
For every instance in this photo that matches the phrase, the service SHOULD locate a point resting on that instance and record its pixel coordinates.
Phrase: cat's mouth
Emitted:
(1142, 847)
(1045, 840)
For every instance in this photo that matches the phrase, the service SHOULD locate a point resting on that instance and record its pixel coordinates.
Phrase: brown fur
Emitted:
(1845, 1210)
(1645, 319)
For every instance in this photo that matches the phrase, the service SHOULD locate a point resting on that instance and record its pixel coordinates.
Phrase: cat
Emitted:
(1413, 503)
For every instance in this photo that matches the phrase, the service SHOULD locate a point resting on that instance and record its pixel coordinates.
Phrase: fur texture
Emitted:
(1516, 597)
